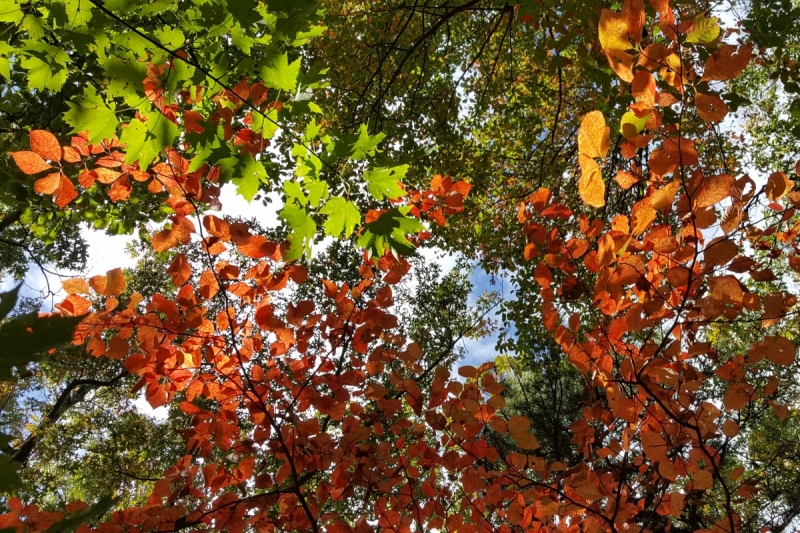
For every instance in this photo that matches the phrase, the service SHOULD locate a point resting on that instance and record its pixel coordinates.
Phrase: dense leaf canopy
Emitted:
(627, 169)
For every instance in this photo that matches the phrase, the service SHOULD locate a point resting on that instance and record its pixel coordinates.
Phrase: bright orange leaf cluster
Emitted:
(311, 416)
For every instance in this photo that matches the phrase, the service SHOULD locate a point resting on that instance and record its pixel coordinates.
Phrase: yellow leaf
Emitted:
(591, 186)
(593, 135)
(613, 31)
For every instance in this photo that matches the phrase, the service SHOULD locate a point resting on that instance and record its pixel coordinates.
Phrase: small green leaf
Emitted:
(90, 113)
(631, 125)
(11, 12)
(343, 217)
(384, 182)
(6, 53)
(281, 74)
(265, 125)
(365, 144)
(126, 76)
(171, 38)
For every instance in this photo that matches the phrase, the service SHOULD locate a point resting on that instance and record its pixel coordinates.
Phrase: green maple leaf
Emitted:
(281, 74)
(303, 230)
(383, 182)
(46, 66)
(244, 11)
(365, 144)
(6, 54)
(145, 140)
(389, 232)
(248, 176)
(90, 113)
(11, 12)
(343, 216)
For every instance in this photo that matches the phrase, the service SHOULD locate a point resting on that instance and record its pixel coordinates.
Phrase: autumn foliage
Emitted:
(310, 416)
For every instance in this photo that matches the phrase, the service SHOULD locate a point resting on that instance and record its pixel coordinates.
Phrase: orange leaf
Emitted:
(711, 108)
(633, 12)
(663, 198)
(542, 275)
(257, 246)
(726, 289)
(518, 424)
(540, 199)
(75, 286)
(591, 186)
(727, 62)
(702, 480)
(626, 180)
(120, 190)
(163, 240)
(115, 283)
(65, 193)
(737, 396)
(714, 189)
(593, 135)
(105, 175)
(30, 162)
(621, 63)
(46, 145)
(643, 87)
(613, 31)
(70, 154)
(719, 252)
(778, 186)
(180, 270)
(48, 184)
(642, 216)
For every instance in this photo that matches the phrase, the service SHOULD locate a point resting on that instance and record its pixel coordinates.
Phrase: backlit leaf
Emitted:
(591, 187)
(46, 145)
(593, 135)
(30, 162)
(727, 62)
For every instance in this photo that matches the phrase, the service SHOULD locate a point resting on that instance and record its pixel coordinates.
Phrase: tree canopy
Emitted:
(628, 167)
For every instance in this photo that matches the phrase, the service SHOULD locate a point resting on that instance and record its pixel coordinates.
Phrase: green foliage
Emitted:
(26, 336)
(91, 113)
(389, 233)
(144, 141)
(280, 74)
(343, 216)
(383, 182)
